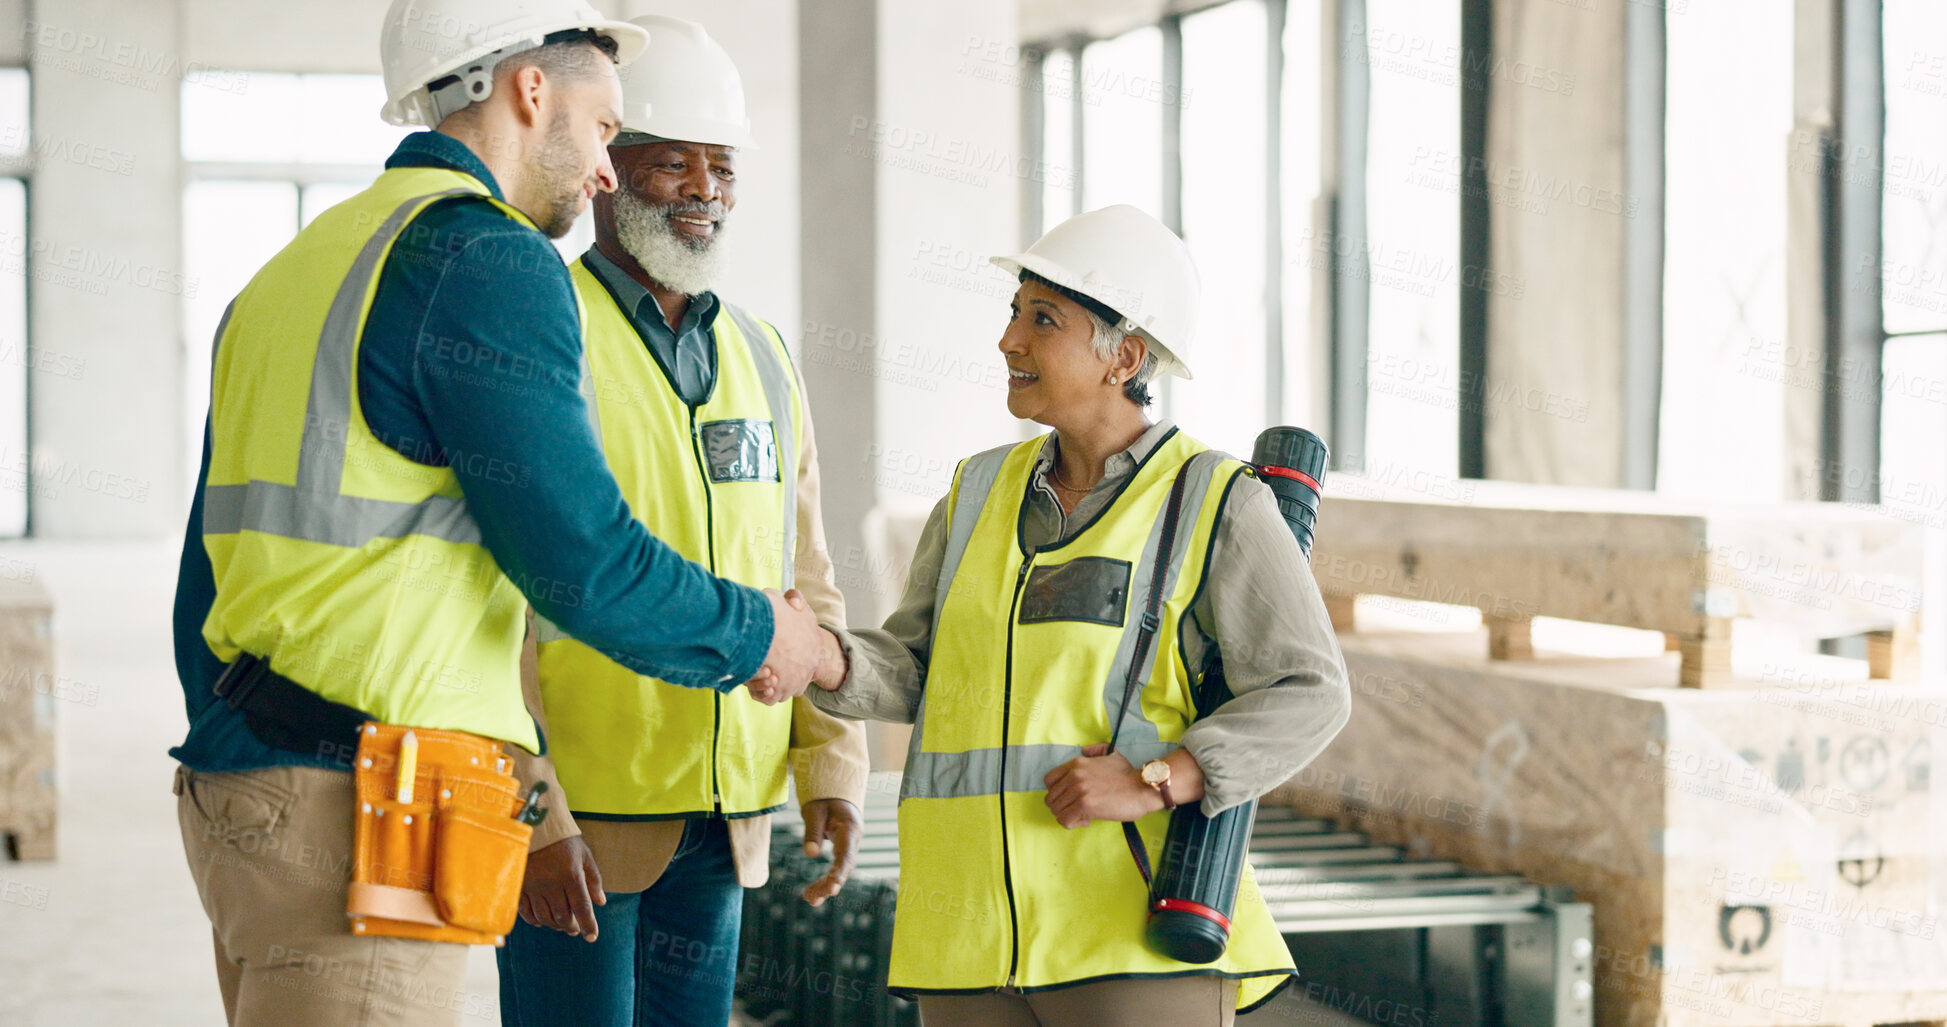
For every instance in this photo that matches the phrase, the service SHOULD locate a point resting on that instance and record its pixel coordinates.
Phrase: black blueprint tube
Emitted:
(1194, 891)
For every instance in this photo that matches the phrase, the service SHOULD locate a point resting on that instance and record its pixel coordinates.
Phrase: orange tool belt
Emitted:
(446, 864)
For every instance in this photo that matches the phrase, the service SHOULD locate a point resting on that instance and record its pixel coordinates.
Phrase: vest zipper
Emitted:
(1007, 701)
(710, 540)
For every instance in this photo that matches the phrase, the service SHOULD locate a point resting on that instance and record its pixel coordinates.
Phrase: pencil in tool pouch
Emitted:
(437, 853)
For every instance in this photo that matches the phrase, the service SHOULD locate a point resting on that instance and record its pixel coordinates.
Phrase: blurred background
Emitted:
(1691, 248)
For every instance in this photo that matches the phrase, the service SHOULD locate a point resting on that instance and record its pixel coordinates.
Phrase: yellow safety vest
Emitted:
(718, 483)
(356, 572)
(1029, 662)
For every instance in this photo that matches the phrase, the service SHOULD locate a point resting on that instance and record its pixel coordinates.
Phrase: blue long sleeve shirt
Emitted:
(471, 359)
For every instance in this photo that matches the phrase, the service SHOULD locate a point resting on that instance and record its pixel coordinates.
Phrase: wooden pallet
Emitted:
(1753, 857)
(27, 797)
(1637, 560)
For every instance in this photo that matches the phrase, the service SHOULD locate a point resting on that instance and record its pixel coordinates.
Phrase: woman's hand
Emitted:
(1094, 786)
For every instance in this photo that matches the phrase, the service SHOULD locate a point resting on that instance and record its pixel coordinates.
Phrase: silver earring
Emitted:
(1113, 379)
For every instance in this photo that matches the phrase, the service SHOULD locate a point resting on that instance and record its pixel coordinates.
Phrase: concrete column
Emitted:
(1559, 207)
(105, 268)
(838, 46)
(1815, 100)
(912, 168)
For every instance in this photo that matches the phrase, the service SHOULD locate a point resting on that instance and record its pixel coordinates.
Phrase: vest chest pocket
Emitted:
(740, 450)
(1093, 589)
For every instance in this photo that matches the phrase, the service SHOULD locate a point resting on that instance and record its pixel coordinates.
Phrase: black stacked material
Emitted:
(1375, 934)
(825, 967)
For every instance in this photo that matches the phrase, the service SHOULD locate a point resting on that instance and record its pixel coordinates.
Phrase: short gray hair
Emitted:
(1108, 342)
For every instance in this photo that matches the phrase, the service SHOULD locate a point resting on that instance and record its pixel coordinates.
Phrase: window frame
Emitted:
(22, 171)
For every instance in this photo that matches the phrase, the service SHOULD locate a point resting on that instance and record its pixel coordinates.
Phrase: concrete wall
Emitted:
(105, 268)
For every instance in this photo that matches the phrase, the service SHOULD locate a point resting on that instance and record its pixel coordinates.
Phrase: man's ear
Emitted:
(526, 88)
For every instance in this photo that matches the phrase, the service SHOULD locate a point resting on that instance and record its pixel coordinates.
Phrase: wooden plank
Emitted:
(1669, 809)
(1629, 559)
(1510, 638)
(27, 709)
(1895, 655)
(1706, 656)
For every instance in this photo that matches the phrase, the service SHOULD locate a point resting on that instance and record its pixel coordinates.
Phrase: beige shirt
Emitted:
(1260, 607)
(827, 755)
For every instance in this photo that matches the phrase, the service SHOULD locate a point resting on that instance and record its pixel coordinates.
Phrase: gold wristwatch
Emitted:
(1156, 774)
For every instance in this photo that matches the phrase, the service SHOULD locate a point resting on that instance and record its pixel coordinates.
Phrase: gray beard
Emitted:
(685, 265)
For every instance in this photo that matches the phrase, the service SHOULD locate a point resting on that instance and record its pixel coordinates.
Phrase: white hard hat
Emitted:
(427, 40)
(1127, 261)
(686, 88)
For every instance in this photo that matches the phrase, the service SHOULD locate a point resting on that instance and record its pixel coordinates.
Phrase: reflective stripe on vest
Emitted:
(1028, 663)
(977, 771)
(632, 747)
(313, 509)
(356, 571)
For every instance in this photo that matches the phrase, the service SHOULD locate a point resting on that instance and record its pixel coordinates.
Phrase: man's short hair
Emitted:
(571, 56)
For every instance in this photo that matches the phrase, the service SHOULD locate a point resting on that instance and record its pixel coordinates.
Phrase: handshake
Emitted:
(802, 652)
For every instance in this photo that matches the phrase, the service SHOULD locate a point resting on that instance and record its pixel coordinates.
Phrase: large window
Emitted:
(1912, 269)
(1213, 121)
(18, 359)
(261, 163)
(1197, 121)
(1727, 363)
(1413, 174)
(1224, 173)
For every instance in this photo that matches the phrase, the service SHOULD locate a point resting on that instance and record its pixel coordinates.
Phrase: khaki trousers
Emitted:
(1200, 1001)
(271, 854)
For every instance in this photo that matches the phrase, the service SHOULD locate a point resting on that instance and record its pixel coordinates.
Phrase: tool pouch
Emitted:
(447, 865)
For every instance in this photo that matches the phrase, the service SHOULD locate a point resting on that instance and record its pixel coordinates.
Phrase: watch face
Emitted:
(1156, 772)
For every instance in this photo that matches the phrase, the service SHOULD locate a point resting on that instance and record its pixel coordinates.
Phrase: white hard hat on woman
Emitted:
(1127, 261)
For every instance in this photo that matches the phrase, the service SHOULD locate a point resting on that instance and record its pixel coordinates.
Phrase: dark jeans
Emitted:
(664, 956)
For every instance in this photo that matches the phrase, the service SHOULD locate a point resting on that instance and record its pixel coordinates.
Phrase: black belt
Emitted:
(286, 715)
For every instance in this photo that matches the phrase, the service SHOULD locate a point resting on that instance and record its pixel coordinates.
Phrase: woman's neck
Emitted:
(1084, 451)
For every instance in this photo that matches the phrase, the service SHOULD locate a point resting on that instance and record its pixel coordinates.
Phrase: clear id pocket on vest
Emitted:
(740, 450)
(1093, 589)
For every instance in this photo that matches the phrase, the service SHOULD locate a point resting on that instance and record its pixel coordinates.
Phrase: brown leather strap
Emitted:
(384, 900)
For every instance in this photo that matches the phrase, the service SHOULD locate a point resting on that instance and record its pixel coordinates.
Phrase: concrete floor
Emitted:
(121, 938)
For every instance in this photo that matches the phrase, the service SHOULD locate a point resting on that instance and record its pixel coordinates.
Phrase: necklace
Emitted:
(1055, 476)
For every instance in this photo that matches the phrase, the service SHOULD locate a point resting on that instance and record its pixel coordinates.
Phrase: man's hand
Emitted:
(1094, 786)
(562, 888)
(840, 821)
(798, 645)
